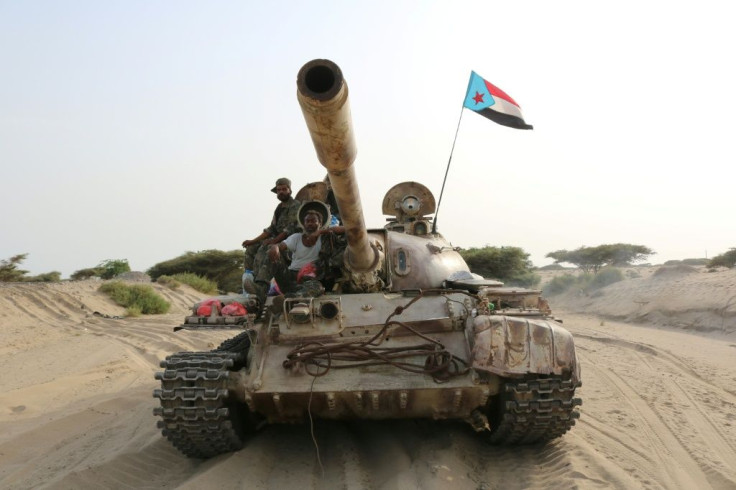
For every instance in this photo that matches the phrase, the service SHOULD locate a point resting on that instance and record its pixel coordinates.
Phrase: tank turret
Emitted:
(403, 256)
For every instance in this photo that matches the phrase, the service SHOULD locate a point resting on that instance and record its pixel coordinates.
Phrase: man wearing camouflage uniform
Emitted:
(284, 223)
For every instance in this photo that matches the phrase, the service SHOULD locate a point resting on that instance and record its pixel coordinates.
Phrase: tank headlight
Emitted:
(300, 313)
(328, 310)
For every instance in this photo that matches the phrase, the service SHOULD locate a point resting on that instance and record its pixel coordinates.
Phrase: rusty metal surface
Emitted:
(361, 315)
(512, 346)
(437, 402)
(376, 392)
(323, 97)
(511, 297)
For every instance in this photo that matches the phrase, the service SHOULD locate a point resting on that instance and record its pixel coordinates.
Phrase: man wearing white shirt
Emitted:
(304, 247)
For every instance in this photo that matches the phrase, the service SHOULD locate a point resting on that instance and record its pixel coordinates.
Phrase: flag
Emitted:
(490, 101)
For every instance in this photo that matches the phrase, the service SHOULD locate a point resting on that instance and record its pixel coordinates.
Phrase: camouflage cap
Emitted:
(281, 181)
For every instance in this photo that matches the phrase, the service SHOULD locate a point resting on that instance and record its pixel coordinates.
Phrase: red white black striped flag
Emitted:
(490, 101)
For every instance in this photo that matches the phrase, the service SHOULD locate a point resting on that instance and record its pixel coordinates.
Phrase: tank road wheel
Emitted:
(533, 410)
(198, 415)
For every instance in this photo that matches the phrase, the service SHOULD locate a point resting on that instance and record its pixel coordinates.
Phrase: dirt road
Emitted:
(659, 411)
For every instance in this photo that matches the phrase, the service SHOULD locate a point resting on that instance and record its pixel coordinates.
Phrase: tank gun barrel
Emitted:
(323, 96)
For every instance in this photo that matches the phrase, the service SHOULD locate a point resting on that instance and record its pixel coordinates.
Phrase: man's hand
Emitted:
(275, 240)
(311, 239)
(248, 243)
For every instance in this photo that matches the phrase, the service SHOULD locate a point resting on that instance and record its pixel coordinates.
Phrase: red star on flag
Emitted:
(478, 97)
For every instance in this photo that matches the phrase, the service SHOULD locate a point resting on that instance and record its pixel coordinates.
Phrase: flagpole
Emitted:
(447, 170)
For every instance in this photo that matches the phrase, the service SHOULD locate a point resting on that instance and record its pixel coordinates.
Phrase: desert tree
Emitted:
(225, 268)
(592, 259)
(508, 264)
(107, 269)
(113, 267)
(9, 271)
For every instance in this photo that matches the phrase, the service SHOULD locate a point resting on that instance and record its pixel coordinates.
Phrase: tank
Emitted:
(407, 332)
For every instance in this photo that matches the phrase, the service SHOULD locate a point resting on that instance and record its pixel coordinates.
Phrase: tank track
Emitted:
(197, 413)
(533, 410)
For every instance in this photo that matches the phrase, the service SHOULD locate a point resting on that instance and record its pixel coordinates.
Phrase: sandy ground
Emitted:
(658, 356)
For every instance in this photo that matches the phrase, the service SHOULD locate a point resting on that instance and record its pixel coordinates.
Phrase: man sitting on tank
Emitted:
(283, 224)
(313, 256)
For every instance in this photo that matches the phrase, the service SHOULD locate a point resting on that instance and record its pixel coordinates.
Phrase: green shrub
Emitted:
(138, 298)
(224, 268)
(54, 276)
(727, 259)
(87, 273)
(687, 262)
(695, 261)
(134, 311)
(560, 284)
(232, 281)
(201, 284)
(508, 264)
(168, 281)
(584, 282)
(605, 277)
(669, 271)
(523, 280)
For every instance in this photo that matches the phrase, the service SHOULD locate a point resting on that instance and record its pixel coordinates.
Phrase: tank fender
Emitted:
(514, 346)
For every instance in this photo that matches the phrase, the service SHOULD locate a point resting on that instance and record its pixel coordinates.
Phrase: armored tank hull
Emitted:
(408, 331)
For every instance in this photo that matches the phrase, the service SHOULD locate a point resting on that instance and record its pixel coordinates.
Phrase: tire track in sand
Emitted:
(676, 467)
(691, 422)
(691, 419)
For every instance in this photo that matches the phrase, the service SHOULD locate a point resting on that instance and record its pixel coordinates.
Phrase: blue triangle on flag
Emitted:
(478, 97)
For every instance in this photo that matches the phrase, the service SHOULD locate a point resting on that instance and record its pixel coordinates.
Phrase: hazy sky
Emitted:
(145, 129)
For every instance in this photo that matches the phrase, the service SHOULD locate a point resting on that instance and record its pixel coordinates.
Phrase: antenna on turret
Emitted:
(447, 170)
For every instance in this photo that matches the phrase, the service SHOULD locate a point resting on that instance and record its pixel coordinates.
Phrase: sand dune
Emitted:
(659, 389)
